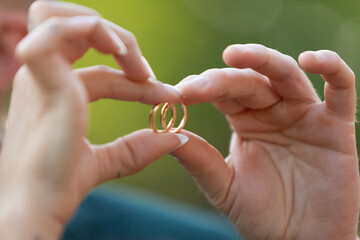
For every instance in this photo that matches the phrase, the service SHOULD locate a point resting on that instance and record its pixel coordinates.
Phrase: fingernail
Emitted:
(183, 140)
(147, 65)
(198, 82)
(121, 45)
(173, 89)
(319, 56)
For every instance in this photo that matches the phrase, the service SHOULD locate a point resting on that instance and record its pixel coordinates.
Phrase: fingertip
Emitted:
(319, 62)
(175, 94)
(120, 45)
(133, 152)
(227, 51)
(307, 60)
(305, 55)
(242, 55)
(195, 83)
(169, 141)
(163, 142)
(194, 89)
(230, 54)
(183, 139)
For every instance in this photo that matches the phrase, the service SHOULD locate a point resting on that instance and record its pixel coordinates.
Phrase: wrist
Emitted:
(22, 219)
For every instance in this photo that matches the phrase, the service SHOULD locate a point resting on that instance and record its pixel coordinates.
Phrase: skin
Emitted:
(13, 28)
(42, 185)
(292, 170)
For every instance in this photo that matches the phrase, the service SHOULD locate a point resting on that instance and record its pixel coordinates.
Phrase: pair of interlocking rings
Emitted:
(170, 126)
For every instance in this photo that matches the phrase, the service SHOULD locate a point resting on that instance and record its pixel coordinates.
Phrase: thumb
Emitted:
(207, 166)
(130, 154)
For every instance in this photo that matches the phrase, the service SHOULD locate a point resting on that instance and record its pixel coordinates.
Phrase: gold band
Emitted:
(167, 127)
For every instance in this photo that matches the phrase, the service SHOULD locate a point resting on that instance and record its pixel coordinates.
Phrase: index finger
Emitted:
(247, 87)
(132, 62)
(285, 75)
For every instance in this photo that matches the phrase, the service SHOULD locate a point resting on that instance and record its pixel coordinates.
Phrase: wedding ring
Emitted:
(167, 127)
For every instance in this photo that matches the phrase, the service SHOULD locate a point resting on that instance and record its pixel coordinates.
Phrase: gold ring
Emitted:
(152, 118)
(167, 127)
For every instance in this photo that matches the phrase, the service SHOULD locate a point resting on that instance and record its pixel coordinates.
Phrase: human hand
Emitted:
(292, 170)
(47, 166)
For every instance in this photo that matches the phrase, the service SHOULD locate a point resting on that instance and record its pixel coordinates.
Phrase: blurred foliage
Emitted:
(183, 37)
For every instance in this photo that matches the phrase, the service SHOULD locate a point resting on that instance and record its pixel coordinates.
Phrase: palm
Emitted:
(280, 174)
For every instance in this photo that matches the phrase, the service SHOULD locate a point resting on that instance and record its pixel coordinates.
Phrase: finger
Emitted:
(288, 80)
(43, 50)
(105, 82)
(40, 11)
(340, 93)
(133, 63)
(130, 154)
(246, 86)
(207, 166)
(130, 59)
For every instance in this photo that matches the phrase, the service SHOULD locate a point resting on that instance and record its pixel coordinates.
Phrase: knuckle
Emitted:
(258, 47)
(189, 77)
(130, 155)
(292, 62)
(330, 53)
(331, 56)
(259, 50)
(341, 65)
(214, 72)
(97, 19)
(29, 48)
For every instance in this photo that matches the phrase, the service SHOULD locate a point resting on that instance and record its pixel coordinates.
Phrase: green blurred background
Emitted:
(183, 37)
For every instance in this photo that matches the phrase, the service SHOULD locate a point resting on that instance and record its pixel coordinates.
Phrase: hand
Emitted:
(47, 166)
(292, 170)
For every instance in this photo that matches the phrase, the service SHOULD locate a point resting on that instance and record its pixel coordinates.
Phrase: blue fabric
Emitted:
(108, 216)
